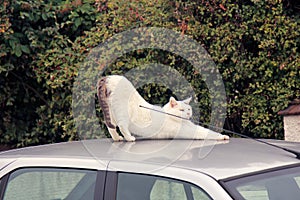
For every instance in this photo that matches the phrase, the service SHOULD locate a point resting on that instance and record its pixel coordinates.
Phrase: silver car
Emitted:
(152, 169)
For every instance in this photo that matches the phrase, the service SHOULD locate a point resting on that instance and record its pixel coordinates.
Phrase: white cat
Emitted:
(123, 107)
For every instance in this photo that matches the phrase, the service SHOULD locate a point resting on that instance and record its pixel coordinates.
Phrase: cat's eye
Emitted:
(181, 110)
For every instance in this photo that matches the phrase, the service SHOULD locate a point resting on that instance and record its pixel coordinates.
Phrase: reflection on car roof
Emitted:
(220, 159)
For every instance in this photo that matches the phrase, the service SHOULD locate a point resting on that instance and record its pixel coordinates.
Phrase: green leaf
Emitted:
(18, 51)
(44, 16)
(77, 22)
(25, 49)
(12, 43)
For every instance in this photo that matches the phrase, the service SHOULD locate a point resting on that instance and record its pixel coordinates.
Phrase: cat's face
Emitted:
(179, 108)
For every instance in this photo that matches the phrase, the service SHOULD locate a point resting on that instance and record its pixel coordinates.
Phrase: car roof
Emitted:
(219, 159)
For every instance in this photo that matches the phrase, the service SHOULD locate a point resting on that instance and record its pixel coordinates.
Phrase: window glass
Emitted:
(139, 187)
(164, 189)
(281, 184)
(42, 183)
(297, 179)
(199, 194)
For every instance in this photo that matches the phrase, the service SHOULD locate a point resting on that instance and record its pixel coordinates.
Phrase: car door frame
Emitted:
(203, 181)
(3, 184)
(99, 185)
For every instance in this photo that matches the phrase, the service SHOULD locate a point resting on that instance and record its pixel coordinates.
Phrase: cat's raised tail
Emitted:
(103, 94)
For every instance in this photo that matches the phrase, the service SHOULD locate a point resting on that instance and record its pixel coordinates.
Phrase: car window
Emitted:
(271, 188)
(280, 184)
(50, 183)
(140, 187)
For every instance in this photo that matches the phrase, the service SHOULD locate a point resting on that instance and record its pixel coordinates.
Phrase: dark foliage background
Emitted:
(255, 45)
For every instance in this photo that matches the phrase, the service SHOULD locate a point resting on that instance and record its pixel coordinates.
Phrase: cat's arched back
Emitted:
(123, 106)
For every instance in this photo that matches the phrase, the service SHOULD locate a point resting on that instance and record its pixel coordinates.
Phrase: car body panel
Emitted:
(53, 162)
(218, 159)
(204, 163)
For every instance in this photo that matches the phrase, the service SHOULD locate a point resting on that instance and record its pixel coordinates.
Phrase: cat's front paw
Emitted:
(225, 137)
(130, 138)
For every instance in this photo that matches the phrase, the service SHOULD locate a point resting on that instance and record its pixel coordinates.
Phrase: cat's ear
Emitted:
(187, 101)
(172, 102)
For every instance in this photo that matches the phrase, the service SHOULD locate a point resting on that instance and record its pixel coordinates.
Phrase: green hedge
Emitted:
(255, 45)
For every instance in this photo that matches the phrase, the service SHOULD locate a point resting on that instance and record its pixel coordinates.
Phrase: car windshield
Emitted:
(278, 184)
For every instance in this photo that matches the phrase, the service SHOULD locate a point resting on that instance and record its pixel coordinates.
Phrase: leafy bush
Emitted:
(255, 45)
(31, 112)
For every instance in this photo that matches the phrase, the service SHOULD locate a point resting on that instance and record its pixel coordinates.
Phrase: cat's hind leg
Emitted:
(126, 133)
(114, 134)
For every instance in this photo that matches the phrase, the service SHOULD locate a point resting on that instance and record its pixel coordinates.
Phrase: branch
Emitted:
(32, 89)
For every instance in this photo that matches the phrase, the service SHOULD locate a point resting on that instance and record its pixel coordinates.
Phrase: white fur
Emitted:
(126, 113)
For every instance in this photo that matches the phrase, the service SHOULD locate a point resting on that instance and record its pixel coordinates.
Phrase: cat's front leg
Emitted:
(218, 136)
(204, 133)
